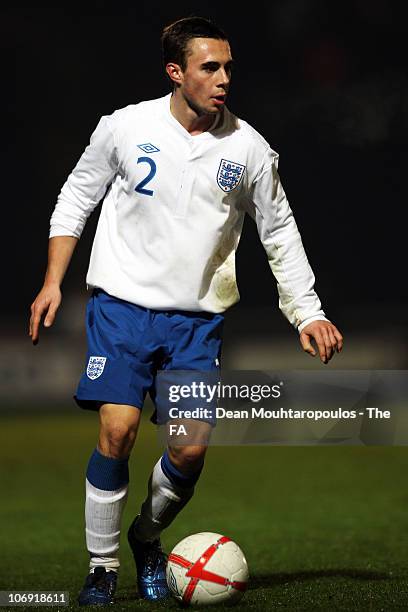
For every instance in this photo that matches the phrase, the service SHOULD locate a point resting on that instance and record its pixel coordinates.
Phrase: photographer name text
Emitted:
(280, 413)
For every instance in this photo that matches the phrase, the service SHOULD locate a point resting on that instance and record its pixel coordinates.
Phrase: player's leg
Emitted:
(193, 343)
(170, 487)
(107, 480)
(117, 375)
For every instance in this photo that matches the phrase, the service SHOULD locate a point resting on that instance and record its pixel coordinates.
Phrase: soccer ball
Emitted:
(207, 568)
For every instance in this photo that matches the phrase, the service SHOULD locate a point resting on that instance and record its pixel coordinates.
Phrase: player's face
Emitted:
(206, 79)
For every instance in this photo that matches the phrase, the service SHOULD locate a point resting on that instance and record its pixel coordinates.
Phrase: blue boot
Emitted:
(99, 588)
(150, 566)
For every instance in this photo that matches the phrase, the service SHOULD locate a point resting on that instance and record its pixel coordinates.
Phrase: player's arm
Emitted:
(282, 242)
(47, 302)
(79, 196)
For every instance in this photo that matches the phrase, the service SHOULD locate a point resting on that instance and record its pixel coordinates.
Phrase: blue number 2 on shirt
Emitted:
(140, 186)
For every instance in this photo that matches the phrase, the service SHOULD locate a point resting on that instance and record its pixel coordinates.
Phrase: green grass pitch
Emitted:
(323, 528)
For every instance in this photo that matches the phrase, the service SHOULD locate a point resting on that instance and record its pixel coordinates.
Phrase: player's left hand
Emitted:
(327, 337)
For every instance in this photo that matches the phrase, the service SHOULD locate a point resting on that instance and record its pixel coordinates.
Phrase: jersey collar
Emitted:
(182, 131)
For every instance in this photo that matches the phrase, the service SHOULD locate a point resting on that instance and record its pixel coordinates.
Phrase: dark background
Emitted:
(324, 82)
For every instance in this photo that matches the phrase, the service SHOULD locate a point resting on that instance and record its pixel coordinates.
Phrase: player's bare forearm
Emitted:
(326, 336)
(60, 250)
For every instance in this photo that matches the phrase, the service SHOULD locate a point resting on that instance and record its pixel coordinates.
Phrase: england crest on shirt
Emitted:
(229, 175)
(95, 366)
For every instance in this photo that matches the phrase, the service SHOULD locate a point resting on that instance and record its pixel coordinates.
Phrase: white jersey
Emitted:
(173, 212)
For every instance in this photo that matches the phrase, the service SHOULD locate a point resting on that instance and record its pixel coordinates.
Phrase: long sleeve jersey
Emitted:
(173, 210)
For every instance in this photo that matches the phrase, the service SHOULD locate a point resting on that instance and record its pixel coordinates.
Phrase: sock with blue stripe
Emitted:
(107, 481)
(169, 490)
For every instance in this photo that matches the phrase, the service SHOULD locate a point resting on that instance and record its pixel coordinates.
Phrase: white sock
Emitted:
(163, 503)
(103, 514)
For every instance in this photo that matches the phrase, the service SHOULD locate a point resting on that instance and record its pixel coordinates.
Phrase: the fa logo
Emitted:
(95, 367)
(229, 175)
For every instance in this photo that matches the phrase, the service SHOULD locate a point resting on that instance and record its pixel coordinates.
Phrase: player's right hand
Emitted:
(47, 301)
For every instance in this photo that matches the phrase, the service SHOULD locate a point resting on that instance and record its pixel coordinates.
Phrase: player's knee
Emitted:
(118, 429)
(117, 439)
(187, 459)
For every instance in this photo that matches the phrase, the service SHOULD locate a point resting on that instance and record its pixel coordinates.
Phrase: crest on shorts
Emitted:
(229, 175)
(95, 367)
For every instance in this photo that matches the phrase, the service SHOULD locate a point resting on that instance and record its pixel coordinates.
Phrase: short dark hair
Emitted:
(176, 36)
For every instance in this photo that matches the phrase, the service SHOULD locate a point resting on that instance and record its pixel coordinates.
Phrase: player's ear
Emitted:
(175, 73)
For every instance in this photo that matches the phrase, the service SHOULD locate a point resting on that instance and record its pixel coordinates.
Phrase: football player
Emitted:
(177, 175)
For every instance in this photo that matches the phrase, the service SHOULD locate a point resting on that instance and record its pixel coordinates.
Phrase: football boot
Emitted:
(150, 567)
(99, 588)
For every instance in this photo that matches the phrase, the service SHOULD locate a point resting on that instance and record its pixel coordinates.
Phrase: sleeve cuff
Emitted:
(56, 230)
(310, 320)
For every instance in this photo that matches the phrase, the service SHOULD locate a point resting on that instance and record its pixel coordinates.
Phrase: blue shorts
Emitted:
(128, 344)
